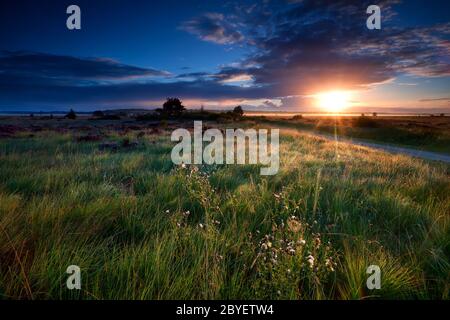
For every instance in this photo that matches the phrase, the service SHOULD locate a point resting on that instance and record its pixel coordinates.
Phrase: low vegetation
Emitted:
(141, 228)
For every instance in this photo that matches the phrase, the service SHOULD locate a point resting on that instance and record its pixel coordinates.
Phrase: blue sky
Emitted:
(264, 55)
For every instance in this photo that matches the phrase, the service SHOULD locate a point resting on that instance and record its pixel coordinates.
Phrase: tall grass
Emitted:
(140, 228)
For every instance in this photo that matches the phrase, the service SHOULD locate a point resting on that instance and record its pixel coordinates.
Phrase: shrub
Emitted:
(98, 113)
(71, 115)
(148, 117)
(110, 117)
(364, 122)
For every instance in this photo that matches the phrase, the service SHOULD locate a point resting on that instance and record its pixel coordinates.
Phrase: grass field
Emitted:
(424, 133)
(141, 228)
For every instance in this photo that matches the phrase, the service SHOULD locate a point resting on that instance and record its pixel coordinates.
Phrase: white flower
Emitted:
(310, 260)
(329, 264)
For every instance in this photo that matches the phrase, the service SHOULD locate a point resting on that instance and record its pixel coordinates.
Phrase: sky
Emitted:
(268, 55)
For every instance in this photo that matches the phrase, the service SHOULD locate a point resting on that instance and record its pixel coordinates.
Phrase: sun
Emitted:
(333, 101)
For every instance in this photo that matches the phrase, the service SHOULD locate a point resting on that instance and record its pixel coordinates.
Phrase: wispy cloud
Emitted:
(434, 99)
(213, 27)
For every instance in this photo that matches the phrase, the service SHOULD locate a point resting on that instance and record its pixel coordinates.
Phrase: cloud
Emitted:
(57, 67)
(434, 99)
(213, 27)
(302, 47)
(128, 93)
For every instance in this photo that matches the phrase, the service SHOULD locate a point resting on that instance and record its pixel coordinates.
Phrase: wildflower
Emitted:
(167, 211)
(294, 225)
(310, 260)
(317, 242)
(329, 264)
(288, 271)
(201, 225)
(264, 246)
(301, 242)
(186, 214)
(291, 251)
(269, 244)
(183, 165)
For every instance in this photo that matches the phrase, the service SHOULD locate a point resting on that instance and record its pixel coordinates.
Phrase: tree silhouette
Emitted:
(71, 115)
(173, 107)
(237, 111)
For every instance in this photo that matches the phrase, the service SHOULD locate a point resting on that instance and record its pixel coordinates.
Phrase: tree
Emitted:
(238, 112)
(71, 115)
(173, 107)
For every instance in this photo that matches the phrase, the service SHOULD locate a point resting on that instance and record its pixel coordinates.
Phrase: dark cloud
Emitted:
(32, 64)
(119, 93)
(213, 27)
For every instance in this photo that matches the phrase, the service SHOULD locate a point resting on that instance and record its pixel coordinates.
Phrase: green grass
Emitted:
(122, 217)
